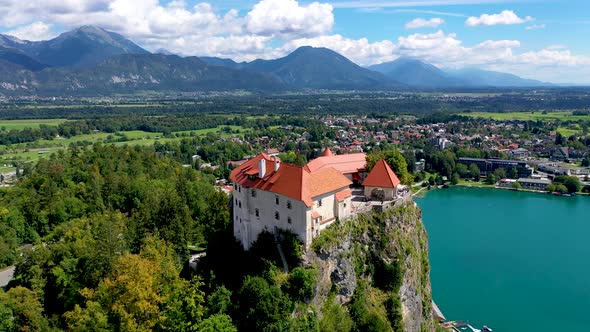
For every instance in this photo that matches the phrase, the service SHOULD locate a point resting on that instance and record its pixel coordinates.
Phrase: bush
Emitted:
(364, 315)
(388, 276)
(335, 317)
(300, 285)
(393, 306)
(572, 183)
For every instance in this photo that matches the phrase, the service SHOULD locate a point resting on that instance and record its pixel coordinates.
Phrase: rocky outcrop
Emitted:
(390, 249)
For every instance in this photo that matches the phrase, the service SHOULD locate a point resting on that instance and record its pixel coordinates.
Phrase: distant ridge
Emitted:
(321, 68)
(86, 46)
(416, 73)
(93, 61)
(420, 74)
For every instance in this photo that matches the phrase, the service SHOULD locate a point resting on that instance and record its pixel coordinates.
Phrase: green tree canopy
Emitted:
(395, 160)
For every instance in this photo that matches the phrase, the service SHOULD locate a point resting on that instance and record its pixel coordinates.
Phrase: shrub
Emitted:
(300, 285)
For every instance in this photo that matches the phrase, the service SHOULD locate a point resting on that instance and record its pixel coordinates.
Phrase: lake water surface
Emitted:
(514, 261)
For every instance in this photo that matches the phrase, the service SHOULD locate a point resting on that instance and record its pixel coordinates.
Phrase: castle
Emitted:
(269, 195)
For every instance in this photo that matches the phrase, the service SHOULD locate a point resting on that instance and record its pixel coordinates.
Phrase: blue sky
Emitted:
(540, 39)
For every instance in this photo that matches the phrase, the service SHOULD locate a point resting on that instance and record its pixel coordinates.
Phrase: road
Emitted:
(6, 275)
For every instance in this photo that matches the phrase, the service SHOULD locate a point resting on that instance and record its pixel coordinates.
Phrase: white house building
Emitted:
(269, 195)
(381, 183)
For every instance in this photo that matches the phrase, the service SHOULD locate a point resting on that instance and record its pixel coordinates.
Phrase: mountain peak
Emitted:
(304, 50)
(8, 40)
(90, 28)
(320, 68)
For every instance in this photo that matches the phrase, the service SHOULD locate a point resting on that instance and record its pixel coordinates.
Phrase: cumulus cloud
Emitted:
(360, 51)
(423, 23)
(273, 28)
(19, 12)
(286, 18)
(34, 31)
(506, 17)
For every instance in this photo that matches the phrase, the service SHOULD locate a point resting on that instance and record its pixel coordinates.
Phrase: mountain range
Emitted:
(419, 74)
(92, 61)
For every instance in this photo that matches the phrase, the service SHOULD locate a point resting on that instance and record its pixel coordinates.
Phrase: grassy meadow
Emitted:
(22, 124)
(30, 152)
(529, 116)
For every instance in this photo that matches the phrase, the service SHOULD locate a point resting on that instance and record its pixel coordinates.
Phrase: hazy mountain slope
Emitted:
(483, 78)
(17, 57)
(320, 68)
(416, 73)
(86, 46)
(132, 73)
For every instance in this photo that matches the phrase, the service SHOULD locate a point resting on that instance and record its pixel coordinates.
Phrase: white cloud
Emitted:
(286, 18)
(19, 12)
(33, 31)
(423, 23)
(273, 28)
(409, 3)
(360, 51)
(506, 17)
(535, 27)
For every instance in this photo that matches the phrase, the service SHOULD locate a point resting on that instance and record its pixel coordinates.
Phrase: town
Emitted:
(466, 151)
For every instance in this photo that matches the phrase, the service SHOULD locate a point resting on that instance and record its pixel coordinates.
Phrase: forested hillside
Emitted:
(111, 228)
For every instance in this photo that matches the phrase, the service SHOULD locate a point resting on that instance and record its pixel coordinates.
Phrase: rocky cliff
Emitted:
(376, 265)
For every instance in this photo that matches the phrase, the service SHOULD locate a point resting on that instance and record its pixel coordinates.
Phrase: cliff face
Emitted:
(384, 258)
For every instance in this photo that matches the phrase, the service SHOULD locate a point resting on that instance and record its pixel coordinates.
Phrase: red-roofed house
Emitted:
(270, 195)
(351, 165)
(381, 182)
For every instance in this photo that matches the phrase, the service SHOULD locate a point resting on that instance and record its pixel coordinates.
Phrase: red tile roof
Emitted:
(381, 176)
(327, 153)
(290, 180)
(344, 194)
(344, 163)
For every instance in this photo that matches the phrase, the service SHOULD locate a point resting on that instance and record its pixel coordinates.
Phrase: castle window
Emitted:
(257, 212)
(277, 216)
(235, 186)
(277, 200)
(240, 204)
(289, 220)
(253, 192)
(289, 206)
(319, 202)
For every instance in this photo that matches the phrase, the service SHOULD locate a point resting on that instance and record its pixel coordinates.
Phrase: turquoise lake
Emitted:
(513, 261)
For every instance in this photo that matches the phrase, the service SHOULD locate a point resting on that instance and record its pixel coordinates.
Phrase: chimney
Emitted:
(277, 164)
(261, 168)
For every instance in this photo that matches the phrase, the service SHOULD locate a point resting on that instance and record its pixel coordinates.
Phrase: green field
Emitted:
(529, 116)
(568, 131)
(22, 124)
(30, 152)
